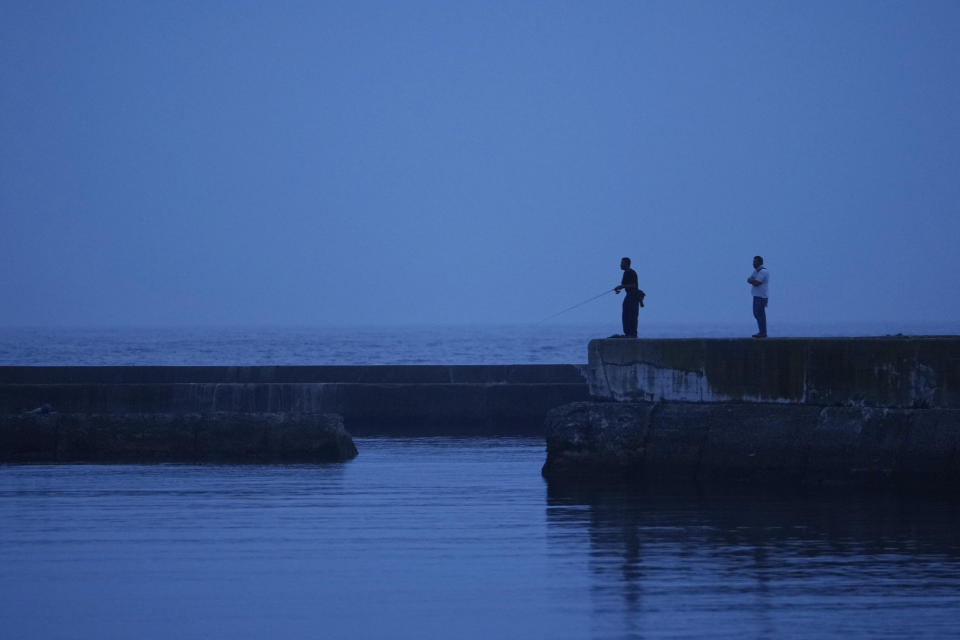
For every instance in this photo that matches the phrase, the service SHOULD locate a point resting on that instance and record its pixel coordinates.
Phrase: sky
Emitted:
(392, 163)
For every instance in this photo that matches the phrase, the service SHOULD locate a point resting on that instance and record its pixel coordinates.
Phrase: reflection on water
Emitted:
(462, 538)
(763, 564)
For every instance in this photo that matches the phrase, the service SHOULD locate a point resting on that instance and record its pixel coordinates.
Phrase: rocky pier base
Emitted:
(843, 412)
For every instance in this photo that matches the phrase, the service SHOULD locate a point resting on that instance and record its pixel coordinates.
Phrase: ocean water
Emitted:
(443, 537)
(450, 538)
(522, 344)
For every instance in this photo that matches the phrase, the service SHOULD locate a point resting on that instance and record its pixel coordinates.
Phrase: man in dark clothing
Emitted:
(632, 301)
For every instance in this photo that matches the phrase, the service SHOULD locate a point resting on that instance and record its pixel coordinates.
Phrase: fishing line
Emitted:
(579, 304)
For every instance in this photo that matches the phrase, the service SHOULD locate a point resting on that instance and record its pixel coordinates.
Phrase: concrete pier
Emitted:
(372, 401)
(877, 372)
(843, 412)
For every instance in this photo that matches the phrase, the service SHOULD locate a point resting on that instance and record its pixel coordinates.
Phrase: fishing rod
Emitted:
(579, 304)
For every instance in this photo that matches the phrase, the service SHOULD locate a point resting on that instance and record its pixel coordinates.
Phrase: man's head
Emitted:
(624, 263)
(757, 261)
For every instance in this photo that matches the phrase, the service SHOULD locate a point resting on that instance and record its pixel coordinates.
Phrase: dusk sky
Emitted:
(384, 163)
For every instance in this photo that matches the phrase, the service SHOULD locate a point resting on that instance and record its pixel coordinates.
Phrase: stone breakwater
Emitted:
(49, 436)
(843, 412)
(152, 413)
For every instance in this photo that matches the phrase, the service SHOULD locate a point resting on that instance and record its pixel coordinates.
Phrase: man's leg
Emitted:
(762, 320)
(760, 313)
(625, 316)
(631, 313)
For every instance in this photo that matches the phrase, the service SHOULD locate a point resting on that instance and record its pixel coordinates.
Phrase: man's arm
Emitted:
(629, 282)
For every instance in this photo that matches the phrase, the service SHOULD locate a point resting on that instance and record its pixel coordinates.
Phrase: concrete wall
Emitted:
(844, 412)
(385, 400)
(380, 374)
(45, 436)
(922, 372)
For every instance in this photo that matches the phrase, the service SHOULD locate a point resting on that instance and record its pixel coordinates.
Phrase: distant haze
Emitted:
(386, 163)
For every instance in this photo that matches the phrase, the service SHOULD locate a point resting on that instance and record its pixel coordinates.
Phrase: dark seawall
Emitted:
(371, 400)
(839, 412)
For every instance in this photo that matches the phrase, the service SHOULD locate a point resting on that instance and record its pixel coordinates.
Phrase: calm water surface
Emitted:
(519, 344)
(456, 538)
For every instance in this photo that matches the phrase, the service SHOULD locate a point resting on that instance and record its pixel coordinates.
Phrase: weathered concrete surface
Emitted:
(907, 372)
(754, 442)
(376, 374)
(388, 400)
(47, 436)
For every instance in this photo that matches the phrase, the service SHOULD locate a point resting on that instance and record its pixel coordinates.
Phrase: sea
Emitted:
(445, 537)
(291, 345)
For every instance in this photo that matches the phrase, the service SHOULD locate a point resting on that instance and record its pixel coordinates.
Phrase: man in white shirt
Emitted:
(759, 280)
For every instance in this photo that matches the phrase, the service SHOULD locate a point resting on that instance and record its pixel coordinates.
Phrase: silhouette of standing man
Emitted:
(759, 280)
(632, 301)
